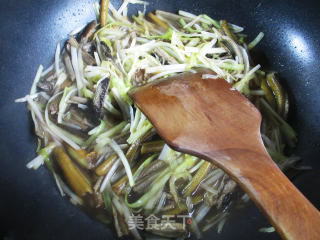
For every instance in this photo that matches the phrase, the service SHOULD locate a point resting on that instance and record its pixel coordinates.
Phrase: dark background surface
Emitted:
(30, 205)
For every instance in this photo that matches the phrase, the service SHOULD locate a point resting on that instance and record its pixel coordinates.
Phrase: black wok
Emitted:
(30, 205)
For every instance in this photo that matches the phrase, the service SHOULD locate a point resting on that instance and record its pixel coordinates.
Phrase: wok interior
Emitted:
(289, 47)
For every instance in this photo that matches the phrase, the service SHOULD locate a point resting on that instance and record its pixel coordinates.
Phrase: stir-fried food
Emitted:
(103, 152)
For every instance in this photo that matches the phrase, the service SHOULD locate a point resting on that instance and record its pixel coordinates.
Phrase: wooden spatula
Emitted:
(209, 119)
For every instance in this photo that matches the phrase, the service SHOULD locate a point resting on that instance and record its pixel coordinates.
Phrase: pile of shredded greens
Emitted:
(103, 152)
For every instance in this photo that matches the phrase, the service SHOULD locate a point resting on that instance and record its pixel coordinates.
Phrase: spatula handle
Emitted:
(293, 216)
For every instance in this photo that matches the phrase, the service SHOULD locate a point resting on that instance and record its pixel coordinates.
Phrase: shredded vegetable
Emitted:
(103, 152)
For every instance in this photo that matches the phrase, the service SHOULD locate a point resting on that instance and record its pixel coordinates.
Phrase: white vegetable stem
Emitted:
(57, 59)
(75, 64)
(124, 161)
